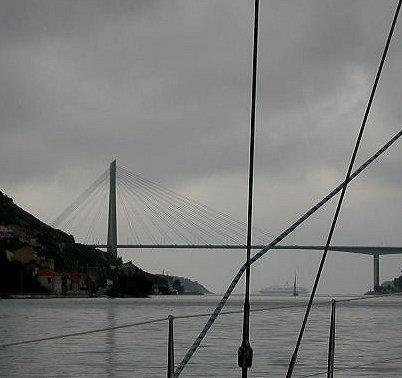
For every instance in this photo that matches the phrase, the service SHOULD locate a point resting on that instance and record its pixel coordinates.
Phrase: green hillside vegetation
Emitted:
(50, 251)
(10, 213)
(389, 287)
(68, 256)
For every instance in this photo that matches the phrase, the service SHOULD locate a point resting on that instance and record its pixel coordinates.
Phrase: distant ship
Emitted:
(285, 290)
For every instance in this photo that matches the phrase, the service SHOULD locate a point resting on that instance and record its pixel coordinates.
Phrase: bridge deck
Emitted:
(366, 250)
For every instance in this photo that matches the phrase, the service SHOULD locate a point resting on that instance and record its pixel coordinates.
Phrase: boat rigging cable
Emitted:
(245, 352)
(278, 239)
(343, 192)
(342, 187)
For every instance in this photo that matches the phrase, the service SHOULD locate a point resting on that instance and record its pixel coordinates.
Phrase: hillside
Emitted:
(10, 213)
(36, 258)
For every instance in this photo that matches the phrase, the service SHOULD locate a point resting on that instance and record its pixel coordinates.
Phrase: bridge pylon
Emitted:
(112, 219)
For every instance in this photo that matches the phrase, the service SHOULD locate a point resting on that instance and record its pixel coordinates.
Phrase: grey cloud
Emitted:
(164, 87)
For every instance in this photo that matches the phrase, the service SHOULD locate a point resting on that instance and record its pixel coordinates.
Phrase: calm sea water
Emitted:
(368, 337)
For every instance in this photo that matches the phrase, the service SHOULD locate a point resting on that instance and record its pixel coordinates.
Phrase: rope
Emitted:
(245, 352)
(261, 253)
(343, 192)
(189, 316)
(81, 333)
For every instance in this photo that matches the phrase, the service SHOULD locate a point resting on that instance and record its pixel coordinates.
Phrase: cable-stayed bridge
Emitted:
(157, 217)
(125, 203)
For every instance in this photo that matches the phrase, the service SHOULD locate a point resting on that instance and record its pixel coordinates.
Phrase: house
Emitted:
(21, 232)
(45, 262)
(6, 232)
(76, 282)
(24, 255)
(32, 269)
(51, 280)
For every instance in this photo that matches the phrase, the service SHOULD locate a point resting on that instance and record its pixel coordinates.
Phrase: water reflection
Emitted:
(141, 351)
(110, 342)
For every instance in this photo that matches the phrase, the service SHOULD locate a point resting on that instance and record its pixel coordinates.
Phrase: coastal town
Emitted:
(37, 260)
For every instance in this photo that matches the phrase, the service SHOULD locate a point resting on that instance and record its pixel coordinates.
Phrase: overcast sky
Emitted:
(164, 88)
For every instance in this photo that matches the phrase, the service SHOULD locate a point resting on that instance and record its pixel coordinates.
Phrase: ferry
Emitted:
(285, 290)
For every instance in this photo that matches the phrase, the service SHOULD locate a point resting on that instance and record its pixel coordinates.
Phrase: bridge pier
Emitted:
(376, 274)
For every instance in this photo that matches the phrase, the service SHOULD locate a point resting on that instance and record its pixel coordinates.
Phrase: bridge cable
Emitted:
(174, 211)
(194, 218)
(121, 196)
(200, 212)
(67, 212)
(184, 210)
(278, 239)
(144, 223)
(343, 192)
(161, 213)
(97, 209)
(146, 205)
(79, 219)
(154, 208)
